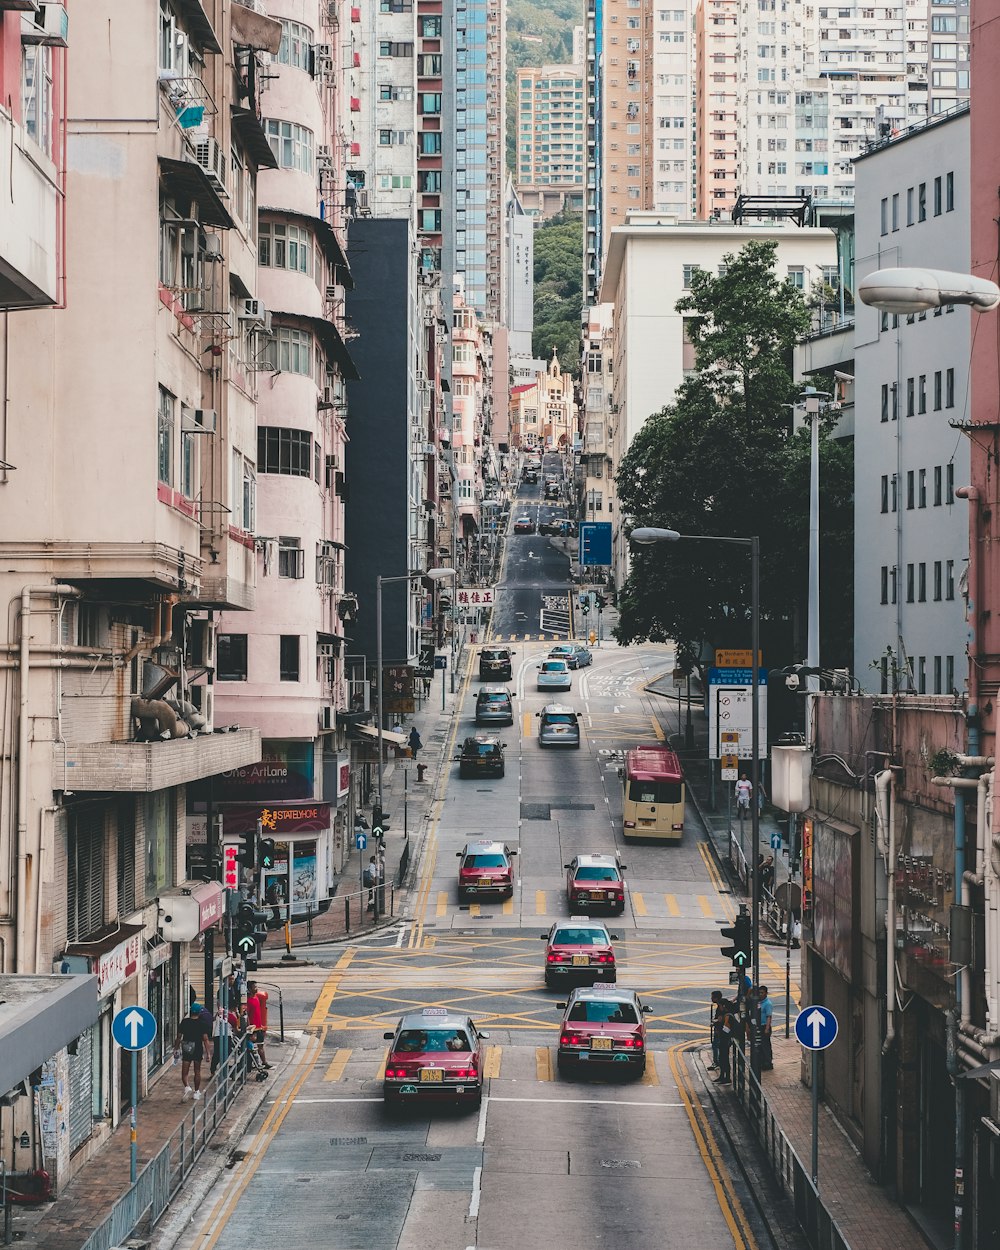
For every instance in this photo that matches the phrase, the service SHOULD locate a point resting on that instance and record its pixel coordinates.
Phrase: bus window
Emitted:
(655, 791)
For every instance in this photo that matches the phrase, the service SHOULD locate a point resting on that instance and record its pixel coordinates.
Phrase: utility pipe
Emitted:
(890, 925)
(57, 588)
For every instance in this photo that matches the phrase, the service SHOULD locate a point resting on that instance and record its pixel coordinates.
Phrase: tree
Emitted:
(722, 460)
(558, 298)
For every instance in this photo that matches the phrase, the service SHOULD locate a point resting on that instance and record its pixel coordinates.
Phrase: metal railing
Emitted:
(820, 1228)
(160, 1180)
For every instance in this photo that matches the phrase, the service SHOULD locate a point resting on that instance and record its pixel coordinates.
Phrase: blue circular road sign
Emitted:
(133, 1028)
(815, 1027)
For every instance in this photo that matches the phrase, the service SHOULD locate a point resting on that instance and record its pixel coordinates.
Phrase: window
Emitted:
(921, 674)
(430, 103)
(430, 27)
(895, 212)
(290, 350)
(922, 393)
(937, 674)
(289, 657)
(231, 657)
(885, 401)
(36, 94)
(797, 276)
(885, 216)
(885, 492)
(922, 202)
(386, 47)
(949, 580)
(165, 437)
(291, 558)
(949, 193)
(937, 486)
(281, 245)
(910, 396)
(909, 206)
(189, 462)
(937, 390)
(689, 272)
(937, 213)
(884, 594)
(949, 483)
(296, 45)
(430, 142)
(291, 144)
(430, 220)
(949, 388)
(910, 582)
(922, 488)
(921, 582)
(949, 674)
(429, 65)
(894, 483)
(909, 488)
(283, 451)
(938, 570)
(243, 499)
(429, 180)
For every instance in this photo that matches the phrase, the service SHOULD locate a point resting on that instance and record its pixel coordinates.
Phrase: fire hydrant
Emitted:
(421, 769)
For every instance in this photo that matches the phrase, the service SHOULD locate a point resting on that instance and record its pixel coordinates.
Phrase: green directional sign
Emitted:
(246, 944)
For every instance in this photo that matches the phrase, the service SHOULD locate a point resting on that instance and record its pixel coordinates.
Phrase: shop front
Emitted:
(303, 871)
(163, 973)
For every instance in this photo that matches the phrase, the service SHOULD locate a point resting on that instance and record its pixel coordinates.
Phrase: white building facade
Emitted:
(911, 533)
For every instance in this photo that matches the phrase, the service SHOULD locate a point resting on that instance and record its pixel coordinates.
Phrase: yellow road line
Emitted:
(729, 1204)
(543, 1063)
(638, 904)
(442, 903)
(337, 1065)
(380, 1075)
(650, 1076)
(526, 720)
(329, 989)
(705, 905)
(540, 903)
(224, 1208)
(658, 729)
(474, 909)
(672, 905)
(508, 907)
(491, 1064)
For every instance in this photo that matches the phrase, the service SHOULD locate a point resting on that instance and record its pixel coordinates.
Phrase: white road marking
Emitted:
(481, 1127)
(403, 930)
(614, 1102)
(477, 1182)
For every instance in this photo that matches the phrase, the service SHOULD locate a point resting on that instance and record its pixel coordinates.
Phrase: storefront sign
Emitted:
(277, 820)
(284, 771)
(117, 965)
(807, 866)
(157, 954)
(343, 778)
(211, 905)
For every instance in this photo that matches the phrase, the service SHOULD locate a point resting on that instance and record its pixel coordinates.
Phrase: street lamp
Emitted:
(917, 290)
(646, 535)
(435, 575)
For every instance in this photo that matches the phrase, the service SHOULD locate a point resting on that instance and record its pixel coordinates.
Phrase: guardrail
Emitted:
(159, 1181)
(820, 1228)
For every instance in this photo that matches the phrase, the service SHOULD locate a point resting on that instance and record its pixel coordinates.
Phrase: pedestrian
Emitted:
(744, 993)
(415, 743)
(427, 685)
(727, 1023)
(274, 897)
(767, 874)
(369, 879)
(397, 727)
(222, 1027)
(257, 1018)
(765, 1012)
(761, 797)
(716, 1000)
(744, 789)
(194, 1035)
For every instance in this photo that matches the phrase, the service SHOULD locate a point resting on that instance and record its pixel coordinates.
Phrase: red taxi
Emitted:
(487, 867)
(579, 949)
(434, 1053)
(595, 881)
(602, 1026)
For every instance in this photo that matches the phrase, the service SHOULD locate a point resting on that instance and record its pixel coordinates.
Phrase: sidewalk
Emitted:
(866, 1214)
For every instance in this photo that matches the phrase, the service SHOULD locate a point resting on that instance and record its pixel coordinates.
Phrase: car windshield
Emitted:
(602, 1011)
(597, 873)
(493, 698)
(579, 937)
(556, 666)
(481, 748)
(485, 861)
(414, 1041)
(494, 655)
(561, 718)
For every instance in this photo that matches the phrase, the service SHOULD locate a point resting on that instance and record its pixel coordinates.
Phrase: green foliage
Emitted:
(723, 461)
(539, 32)
(558, 298)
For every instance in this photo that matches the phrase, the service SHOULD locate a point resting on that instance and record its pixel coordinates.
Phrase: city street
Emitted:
(547, 1160)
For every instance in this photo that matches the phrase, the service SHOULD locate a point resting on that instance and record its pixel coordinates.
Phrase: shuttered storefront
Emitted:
(81, 1090)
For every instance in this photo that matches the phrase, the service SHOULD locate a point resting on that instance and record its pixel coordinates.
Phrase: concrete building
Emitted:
(543, 412)
(717, 120)
(911, 534)
(593, 219)
(649, 265)
(281, 669)
(472, 406)
(519, 286)
(127, 517)
(594, 465)
(550, 161)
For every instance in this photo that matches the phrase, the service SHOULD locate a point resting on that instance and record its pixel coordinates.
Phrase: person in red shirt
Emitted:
(257, 1017)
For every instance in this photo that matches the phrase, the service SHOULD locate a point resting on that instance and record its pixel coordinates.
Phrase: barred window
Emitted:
(85, 873)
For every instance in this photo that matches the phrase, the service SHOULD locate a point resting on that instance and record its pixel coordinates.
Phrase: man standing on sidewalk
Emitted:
(257, 1018)
(765, 1010)
(194, 1033)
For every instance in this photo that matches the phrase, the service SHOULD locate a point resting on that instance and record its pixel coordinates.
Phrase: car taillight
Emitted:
(677, 827)
(395, 1072)
(605, 959)
(572, 1039)
(554, 957)
(629, 824)
(463, 1072)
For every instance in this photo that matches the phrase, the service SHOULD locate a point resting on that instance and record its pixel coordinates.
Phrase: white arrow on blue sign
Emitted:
(360, 841)
(133, 1028)
(815, 1028)
(776, 841)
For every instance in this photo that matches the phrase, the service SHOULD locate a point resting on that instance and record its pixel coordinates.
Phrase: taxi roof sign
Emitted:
(434, 1011)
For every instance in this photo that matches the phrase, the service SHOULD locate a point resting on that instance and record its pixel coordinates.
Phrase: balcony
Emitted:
(142, 767)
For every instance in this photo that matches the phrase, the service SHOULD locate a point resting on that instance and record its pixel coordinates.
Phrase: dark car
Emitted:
(495, 664)
(602, 1026)
(434, 1053)
(487, 867)
(551, 527)
(524, 525)
(579, 949)
(595, 881)
(482, 756)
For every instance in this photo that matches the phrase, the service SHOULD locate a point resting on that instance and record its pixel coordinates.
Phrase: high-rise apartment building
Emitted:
(717, 122)
(551, 160)
(380, 70)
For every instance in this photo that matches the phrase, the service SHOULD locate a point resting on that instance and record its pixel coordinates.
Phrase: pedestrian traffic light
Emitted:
(739, 935)
(378, 829)
(247, 856)
(600, 601)
(585, 604)
(265, 854)
(249, 933)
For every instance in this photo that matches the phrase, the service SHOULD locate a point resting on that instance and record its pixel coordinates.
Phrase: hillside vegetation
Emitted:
(559, 290)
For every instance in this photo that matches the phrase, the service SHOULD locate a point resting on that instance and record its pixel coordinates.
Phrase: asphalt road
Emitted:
(547, 1161)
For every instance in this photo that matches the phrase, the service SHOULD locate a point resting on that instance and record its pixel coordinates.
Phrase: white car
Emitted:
(554, 675)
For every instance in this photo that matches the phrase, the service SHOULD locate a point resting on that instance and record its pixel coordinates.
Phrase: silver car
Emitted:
(558, 726)
(555, 675)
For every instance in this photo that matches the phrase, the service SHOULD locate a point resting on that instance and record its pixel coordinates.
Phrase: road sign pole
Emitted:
(815, 1111)
(133, 1134)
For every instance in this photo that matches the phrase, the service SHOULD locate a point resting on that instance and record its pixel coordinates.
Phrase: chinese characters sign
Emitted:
(475, 597)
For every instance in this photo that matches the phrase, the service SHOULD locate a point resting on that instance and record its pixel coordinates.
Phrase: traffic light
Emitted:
(378, 828)
(265, 854)
(249, 933)
(585, 603)
(739, 935)
(600, 601)
(247, 854)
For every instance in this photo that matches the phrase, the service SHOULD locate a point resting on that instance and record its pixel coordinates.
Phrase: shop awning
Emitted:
(183, 914)
(369, 731)
(39, 1016)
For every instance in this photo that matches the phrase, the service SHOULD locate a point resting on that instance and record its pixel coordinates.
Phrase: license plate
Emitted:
(432, 1074)
(597, 894)
(581, 961)
(485, 880)
(600, 1043)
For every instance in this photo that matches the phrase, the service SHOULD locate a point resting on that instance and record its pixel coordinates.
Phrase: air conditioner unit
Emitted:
(324, 155)
(328, 717)
(420, 376)
(201, 644)
(206, 419)
(332, 292)
(50, 26)
(253, 310)
(322, 52)
(428, 449)
(213, 247)
(363, 202)
(212, 159)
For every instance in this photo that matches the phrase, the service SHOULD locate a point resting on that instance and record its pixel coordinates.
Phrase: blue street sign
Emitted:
(360, 841)
(133, 1028)
(776, 841)
(595, 542)
(815, 1028)
(440, 661)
